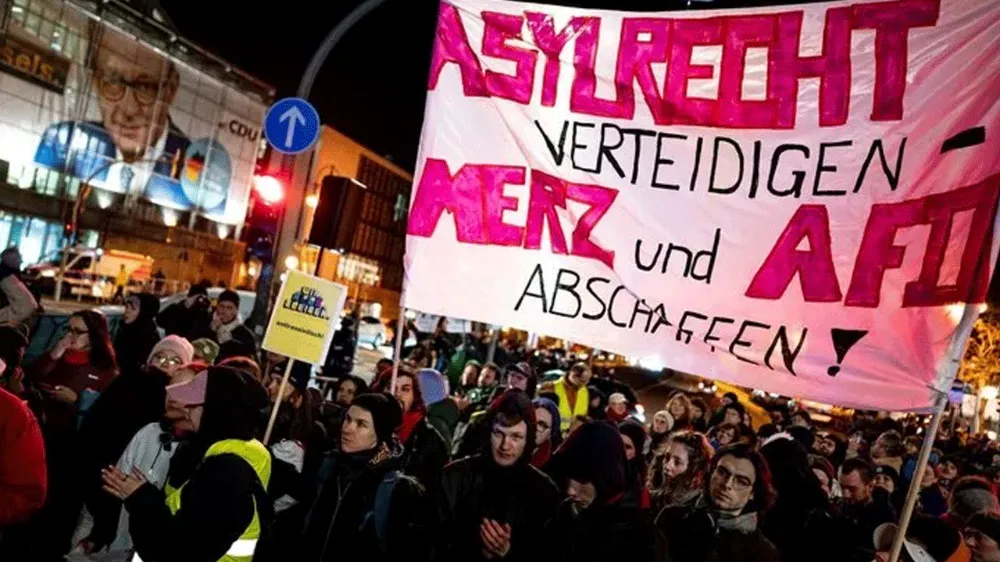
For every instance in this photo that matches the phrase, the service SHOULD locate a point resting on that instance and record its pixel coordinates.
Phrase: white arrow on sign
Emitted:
(292, 115)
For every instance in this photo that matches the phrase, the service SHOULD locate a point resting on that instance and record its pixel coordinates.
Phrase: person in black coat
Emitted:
(345, 520)
(495, 505)
(183, 318)
(596, 523)
(139, 334)
(217, 477)
(425, 450)
(724, 525)
(134, 399)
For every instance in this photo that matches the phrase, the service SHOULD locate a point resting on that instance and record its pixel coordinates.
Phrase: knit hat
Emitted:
(889, 471)
(593, 454)
(300, 376)
(176, 345)
(206, 350)
(197, 290)
(433, 386)
(230, 296)
(528, 372)
(986, 523)
(386, 413)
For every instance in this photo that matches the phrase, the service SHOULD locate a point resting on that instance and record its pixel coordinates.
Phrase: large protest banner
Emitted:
(787, 198)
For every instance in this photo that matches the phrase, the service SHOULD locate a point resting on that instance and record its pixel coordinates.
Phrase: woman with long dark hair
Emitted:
(67, 381)
(679, 478)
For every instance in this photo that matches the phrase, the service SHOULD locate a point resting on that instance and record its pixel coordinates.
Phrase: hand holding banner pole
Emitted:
(946, 373)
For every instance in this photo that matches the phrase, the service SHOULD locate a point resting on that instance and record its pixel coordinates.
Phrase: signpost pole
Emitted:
(946, 375)
(277, 402)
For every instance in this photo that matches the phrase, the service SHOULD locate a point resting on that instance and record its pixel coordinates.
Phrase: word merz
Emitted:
(526, 40)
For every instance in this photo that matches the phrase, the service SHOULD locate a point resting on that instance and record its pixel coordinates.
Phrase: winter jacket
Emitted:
(475, 488)
(340, 524)
(862, 520)
(131, 402)
(217, 506)
(425, 454)
(700, 535)
(20, 303)
(611, 533)
(179, 320)
(22, 461)
(86, 380)
(135, 341)
(234, 339)
(150, 451)
(444, 416)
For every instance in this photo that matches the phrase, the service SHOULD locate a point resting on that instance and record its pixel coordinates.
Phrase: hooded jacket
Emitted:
(610, 528)
(135, 341)
(339, 524)
(476, 488)
(220, 493)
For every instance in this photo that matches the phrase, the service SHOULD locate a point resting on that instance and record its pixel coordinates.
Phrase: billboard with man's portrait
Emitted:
(84, 99)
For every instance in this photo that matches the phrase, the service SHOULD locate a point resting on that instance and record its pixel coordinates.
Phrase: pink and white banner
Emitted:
(791, 199)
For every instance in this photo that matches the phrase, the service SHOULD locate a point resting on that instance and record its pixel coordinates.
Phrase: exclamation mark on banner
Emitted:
(843, 341)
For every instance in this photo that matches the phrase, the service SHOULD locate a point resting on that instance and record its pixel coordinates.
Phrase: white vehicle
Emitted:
(371, 332)
(90, 272)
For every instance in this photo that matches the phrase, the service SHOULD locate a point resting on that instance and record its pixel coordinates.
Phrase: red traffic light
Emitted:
(269, 188)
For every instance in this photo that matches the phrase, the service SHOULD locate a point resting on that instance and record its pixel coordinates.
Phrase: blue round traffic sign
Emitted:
(291, 125)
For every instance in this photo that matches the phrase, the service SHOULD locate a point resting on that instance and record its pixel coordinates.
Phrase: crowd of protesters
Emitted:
(150, 446)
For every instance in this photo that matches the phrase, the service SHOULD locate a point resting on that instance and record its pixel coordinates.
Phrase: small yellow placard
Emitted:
(305, 316)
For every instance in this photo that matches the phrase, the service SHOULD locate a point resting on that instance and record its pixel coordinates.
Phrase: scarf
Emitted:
(76, 357)
(542, 454)
(225, 331)
(410, 421)
(745, 523)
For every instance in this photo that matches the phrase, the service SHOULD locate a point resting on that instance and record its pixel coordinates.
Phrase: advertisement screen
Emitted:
(83, 99)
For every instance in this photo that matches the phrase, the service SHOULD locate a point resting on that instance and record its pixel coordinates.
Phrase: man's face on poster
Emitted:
(134, 87)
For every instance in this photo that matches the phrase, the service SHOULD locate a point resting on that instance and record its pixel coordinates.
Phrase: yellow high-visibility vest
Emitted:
(567, 411)
(259, 458)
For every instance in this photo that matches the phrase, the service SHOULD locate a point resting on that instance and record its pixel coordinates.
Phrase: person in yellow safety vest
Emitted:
(574, 399)
(214, 506)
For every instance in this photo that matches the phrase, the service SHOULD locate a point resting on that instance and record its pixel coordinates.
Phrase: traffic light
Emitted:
(267, 209)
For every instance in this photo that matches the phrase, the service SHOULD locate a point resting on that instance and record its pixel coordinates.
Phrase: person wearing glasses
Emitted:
(134, 88)
(68, 379)
(724, 524)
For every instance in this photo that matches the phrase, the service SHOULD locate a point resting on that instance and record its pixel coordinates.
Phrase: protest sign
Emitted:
(786, 198)
(306, 314)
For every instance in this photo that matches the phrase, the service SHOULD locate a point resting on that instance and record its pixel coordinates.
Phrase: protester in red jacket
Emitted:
(22, 462)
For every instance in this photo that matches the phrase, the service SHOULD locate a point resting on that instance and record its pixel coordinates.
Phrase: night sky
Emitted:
(372, 87)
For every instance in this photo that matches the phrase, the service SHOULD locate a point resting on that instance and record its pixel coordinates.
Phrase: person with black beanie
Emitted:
(495, 505)
(215, 502)
(594, 523)
(364, 506)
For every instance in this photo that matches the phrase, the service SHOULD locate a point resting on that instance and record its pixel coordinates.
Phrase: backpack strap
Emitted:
(383, 498)
(378, 517)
